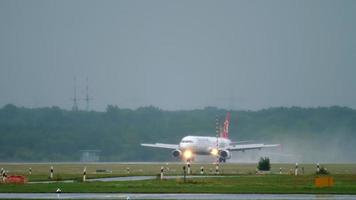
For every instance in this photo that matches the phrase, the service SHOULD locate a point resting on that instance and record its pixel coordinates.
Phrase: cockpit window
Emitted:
(187, 141)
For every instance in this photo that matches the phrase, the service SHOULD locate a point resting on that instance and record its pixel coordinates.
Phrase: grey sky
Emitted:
(178, 54)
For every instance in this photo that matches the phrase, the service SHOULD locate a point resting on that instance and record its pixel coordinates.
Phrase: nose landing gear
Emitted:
(222, 160)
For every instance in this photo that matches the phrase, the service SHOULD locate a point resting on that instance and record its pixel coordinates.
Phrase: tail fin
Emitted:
(225, 131)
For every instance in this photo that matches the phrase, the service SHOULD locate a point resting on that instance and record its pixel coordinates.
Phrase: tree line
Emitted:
(55, 134)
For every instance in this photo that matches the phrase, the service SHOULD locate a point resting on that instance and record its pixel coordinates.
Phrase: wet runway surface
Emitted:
(173, 196)
(128, 178)
(140, 178)
(124, 178)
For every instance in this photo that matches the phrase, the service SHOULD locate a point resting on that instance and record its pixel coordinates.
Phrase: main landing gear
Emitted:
(222, 160)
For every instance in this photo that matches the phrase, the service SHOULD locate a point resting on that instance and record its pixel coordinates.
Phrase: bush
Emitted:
(323, 171)
(263, 164)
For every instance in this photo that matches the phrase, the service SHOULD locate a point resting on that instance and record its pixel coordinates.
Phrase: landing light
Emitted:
(214, 152)
(187, 154)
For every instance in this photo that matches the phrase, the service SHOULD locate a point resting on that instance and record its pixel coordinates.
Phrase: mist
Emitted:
(158, 70)
(241, 55)
(306, 135)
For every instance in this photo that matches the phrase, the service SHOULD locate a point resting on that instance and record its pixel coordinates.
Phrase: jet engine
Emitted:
(177, 153)
(225, 154)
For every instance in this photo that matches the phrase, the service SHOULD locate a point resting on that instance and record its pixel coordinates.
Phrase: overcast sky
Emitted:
(178, 54)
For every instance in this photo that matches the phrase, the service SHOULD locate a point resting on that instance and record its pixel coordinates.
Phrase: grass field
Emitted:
(281, 184)
(120, 169)
(240, 178)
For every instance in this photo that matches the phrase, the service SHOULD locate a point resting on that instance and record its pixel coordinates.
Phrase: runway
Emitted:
(129, 178)
(141, 178)
(174, 196)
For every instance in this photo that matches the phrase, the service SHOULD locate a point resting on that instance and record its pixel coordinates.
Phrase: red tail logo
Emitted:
(225, 132)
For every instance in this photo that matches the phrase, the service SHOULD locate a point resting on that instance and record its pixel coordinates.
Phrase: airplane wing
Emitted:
(243, 147)
(240, 142)
(161, 145)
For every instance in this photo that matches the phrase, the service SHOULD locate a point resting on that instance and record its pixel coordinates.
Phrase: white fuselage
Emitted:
(201, 145)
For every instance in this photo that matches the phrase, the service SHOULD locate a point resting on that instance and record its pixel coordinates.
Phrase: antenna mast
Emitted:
(75, 99)
(87, 98)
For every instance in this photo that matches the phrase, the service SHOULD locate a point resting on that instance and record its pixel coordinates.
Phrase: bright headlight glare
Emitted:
(214, 152)
(187, 154)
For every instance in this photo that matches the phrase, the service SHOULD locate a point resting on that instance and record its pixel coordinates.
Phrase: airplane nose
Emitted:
(185, 145)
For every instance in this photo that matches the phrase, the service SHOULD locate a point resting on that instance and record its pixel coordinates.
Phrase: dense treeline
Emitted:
(54, 134)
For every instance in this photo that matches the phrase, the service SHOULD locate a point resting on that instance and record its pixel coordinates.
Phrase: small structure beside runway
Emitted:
(16, 179)
(324, 181)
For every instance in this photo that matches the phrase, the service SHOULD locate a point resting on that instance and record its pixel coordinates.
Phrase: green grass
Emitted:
(240, 179)
(276, 184)
(65, 169)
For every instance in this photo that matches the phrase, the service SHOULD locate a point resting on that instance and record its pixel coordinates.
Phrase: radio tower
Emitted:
(75, 99)
(87, 98)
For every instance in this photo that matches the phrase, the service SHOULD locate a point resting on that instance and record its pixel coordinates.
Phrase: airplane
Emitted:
(220, 146)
